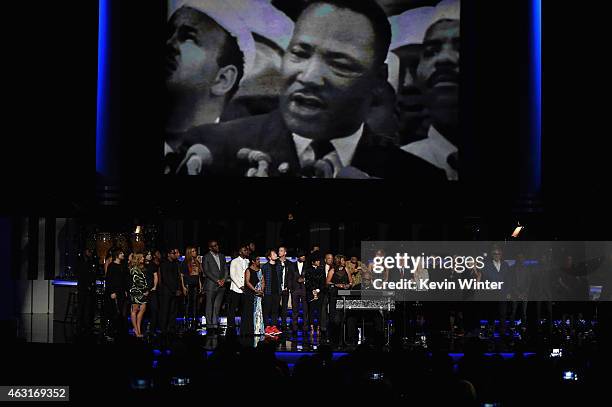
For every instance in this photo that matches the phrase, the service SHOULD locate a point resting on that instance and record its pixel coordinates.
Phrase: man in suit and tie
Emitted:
(297, 287)
(215, 273)
(497, 270)
(332, 70)
(324, 297)
(170, 290)
(287, 270)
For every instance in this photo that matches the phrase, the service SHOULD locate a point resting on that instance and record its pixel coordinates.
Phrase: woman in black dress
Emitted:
(338, 278)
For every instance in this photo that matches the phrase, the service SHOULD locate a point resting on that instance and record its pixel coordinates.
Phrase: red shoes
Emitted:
(272, 330)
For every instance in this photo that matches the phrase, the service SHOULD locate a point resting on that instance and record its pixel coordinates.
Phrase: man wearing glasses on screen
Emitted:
(332, 70)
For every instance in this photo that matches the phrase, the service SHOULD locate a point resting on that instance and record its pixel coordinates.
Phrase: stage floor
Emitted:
(42, 328)
(519, 360)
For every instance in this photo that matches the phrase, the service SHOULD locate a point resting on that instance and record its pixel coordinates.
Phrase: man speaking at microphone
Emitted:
(331, 71)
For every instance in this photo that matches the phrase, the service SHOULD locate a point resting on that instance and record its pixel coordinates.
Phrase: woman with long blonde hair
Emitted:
(192, 283)
(138, 292)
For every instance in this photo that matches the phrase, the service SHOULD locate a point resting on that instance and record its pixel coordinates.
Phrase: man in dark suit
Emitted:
(170, 290)
(332, 70)
(272, 293)
(286, 272)
(314, 286)
(297, 287)
(115, 293)
(86, 289)
(497, 270)
(215, 273)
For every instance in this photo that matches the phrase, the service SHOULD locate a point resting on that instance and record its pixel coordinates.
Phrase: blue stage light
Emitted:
(536, 94)
(103, 88)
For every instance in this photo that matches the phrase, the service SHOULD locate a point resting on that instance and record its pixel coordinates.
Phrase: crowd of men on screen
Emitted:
(257, 288)
(345, 89)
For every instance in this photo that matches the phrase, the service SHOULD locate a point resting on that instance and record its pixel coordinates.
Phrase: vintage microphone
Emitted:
(323, 168)
(260, 158)
(196, 158)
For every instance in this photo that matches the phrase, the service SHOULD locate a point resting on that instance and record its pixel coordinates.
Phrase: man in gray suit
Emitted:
(215, 273)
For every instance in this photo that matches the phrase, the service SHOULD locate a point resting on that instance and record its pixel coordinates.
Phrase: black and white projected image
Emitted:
(313, 89)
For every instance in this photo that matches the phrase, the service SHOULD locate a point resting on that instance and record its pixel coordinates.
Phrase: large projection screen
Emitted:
(313, 89)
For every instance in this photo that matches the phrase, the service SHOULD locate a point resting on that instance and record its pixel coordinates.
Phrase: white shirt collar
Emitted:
(442, 142)
(344, 146)
(435, 149)
(301, 144)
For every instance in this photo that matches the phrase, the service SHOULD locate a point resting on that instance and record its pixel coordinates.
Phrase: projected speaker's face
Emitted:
(438, 72)
(192, 47)
(327, 72)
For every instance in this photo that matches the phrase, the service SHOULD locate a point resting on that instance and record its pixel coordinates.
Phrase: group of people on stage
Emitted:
(161, 282)
(310, 284)
(258, 291)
